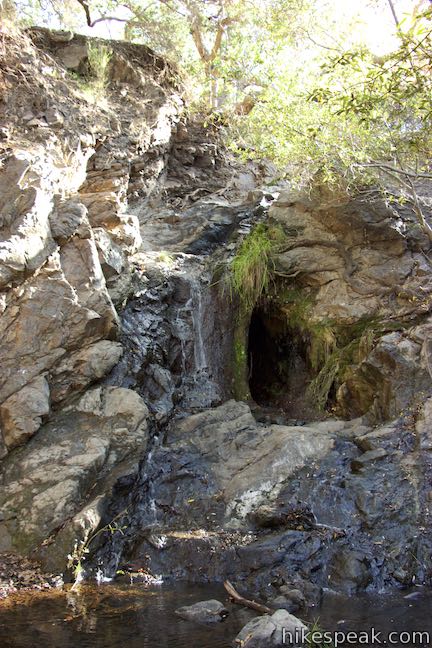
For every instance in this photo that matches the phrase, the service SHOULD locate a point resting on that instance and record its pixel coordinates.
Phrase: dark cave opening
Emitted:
(278, 368)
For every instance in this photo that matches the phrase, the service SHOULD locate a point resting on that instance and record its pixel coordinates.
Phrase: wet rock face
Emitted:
(280, 508)
(177, 334)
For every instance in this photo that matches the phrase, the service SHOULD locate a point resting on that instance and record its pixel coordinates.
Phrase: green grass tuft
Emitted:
(334, 368)
(251, 269)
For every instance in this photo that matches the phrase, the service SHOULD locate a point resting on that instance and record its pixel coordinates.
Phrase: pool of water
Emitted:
(136, 616)
(400, 619)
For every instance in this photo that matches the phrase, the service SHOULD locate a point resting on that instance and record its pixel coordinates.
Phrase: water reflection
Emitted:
(132, 617)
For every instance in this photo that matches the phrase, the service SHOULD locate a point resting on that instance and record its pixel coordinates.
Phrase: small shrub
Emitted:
(319, 389)
(333, 370)
(99, 57)
(81, 548)
(320, 337)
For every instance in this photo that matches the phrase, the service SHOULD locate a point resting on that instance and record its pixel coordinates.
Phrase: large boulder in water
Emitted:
(275, 631)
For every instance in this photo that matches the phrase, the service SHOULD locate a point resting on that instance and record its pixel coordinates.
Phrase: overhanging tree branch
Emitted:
(86, 8)
(91, 23)
(405, 179)
(388, 167)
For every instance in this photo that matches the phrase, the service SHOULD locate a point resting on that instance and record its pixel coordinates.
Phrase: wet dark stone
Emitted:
(371, 455)
(327, 528)
(283, 514)
(284, 603)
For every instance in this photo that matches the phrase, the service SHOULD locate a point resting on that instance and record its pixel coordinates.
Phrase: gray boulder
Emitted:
(68, 219)
(275, 631)
(204, 612)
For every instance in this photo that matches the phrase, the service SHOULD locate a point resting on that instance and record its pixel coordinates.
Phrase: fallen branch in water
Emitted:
(253, 605)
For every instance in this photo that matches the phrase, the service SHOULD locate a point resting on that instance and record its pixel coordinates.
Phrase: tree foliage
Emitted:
(350, 118)
(297, 84)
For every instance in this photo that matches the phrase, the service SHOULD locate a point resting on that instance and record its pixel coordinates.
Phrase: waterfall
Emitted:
(200, 355)
(172, 331)
(182, 329)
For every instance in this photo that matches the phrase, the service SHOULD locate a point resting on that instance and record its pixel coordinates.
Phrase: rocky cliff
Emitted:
(71, 163)
(279, 503)
(84, 170)
(361, 272)
(122, 346)
(68, 169)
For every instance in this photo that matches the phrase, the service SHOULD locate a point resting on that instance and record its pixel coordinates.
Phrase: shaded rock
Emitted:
(289, 599)
(3, 448)
(21, 414)
(249, 463)
(387, 380)
(284, 603)
(283, 514)
(54, 118)
(373, 439)
(73, 55)
(68, 219)
(350, 571)
(356, 263)
(366, 457)
(424, 426)
(127, 233)
(302, 592)
(275, 631)
(203, 612)
(62, 474)
(103, 208)
(111, 255)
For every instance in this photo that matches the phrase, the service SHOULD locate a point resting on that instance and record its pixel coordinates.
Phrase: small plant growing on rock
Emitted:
(317, 637)
(165, 258)
(81, 548)
(99, 58)
(252, 268)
